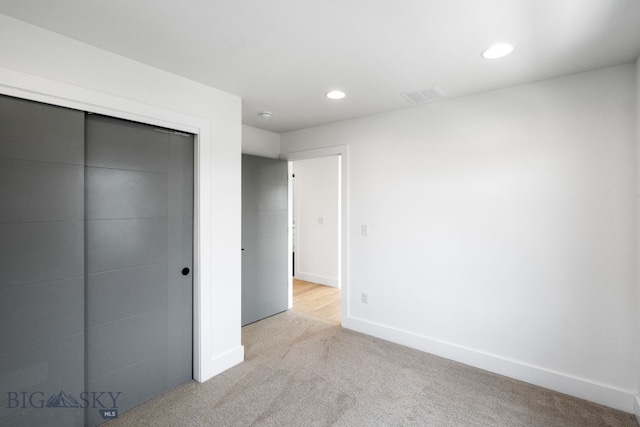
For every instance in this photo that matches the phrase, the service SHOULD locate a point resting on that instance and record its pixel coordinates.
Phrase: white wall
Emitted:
(502, 230)
(258, 142)
(41, 65)
(316, 208)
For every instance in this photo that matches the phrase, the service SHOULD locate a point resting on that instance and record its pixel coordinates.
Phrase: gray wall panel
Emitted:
(118, 244)
(115, 345)
(39, 252)
(34, 313)
(136, 290)
(40, 191)
(34, 131)
(115, 193)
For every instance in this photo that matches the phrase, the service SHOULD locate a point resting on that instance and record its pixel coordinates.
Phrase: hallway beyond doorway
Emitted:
(319, 301)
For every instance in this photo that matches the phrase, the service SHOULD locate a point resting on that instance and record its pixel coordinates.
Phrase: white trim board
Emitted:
(39, 89)
(223, 361)
(599, 393)
(34, 88)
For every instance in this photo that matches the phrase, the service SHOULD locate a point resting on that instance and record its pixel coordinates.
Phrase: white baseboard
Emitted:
(222, 362)
(623, 400)
(315, 278)
(637, 408)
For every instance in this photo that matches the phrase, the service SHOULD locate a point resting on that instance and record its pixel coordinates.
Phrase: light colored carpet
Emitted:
(301, 371)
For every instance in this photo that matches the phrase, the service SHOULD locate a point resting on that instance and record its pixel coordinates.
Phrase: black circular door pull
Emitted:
(185, 271)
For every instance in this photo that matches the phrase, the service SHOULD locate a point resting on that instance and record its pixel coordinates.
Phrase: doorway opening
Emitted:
(317, 195)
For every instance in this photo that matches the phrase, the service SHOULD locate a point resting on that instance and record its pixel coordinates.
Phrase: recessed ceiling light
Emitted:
(336, 94)
(265, 114)
(497, 51)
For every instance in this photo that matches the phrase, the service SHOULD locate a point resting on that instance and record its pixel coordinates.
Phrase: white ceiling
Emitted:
(284, 55)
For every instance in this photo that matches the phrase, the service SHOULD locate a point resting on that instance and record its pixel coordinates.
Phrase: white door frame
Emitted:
(342, 151)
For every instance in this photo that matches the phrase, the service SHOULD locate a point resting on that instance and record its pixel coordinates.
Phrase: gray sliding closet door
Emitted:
(264, 237)
(180, 232)
(95, 264)
(41, 262)
(139, 209)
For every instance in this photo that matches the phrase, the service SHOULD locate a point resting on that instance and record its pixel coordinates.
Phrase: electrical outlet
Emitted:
(364, 230)
(320, 220)
(365, 298)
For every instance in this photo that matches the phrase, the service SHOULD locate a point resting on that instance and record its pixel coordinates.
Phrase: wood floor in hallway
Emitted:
(319, 301)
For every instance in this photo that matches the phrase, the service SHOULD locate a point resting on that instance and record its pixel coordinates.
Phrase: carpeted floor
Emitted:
(301, 371)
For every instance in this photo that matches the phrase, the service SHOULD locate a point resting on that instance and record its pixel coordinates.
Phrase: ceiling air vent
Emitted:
(424, 96)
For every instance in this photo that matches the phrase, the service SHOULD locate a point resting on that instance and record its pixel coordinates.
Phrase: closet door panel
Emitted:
(138, 241)
(96, 226)
(180, 286)
(125, 243)
(116, 345)
(124, 145)
(140, 382)
(264, 237)
(115, 193)
(34, 252)
(136, 289)
(40, 132)
(41, 312)
(40, 191)
(47, 417)
(43, 370)
(41, 260)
